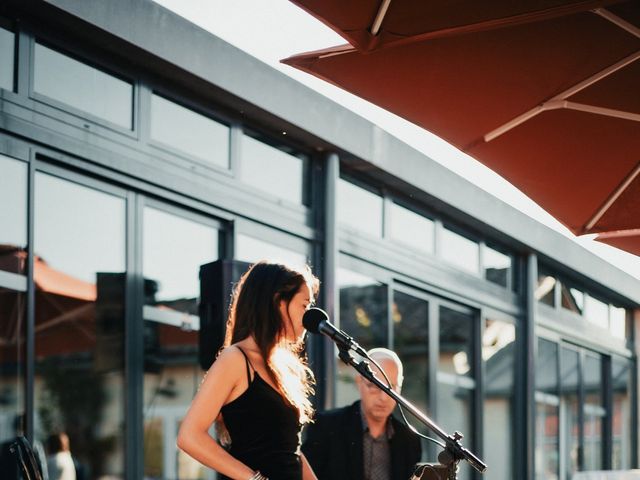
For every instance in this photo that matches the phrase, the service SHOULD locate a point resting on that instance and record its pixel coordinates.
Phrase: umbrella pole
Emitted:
(453, 451)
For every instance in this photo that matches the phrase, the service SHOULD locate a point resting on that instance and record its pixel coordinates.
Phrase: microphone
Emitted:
(316, 320)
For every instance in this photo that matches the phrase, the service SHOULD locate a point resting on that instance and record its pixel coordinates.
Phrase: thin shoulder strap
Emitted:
(248, 363)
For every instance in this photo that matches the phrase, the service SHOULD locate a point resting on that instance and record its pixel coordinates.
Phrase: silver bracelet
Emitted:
(258, 476)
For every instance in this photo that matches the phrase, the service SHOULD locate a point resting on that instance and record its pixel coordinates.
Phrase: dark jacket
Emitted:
(333, 446)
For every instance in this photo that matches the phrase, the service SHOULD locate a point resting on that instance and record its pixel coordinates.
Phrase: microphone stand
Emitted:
(453, 452)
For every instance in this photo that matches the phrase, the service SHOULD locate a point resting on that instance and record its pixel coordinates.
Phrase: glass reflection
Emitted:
(13, 215)
(618, 321)
(498, 355)
(12, 369)
(278, 171)
(173, 250)
(83, 87)
(547, 433)
(596, 312)
(572, 299)
(455, 376)
(460, 251)
(411, 228)
(497, 266)
(79, 322)
(594, 412)
(7, 58)
(621, 373)
(359, 209)
(410, 317)
(363, 313)
(545, 290)
(250, 249)
(569, 408)
(189, 131)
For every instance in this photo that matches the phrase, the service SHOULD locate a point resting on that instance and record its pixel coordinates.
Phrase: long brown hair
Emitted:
(255, 311)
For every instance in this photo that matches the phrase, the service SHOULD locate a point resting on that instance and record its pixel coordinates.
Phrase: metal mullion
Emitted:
(479, 391)
(30, 323)
(559, 397)
(390, 299)
(562, 414)
(633, 398)
(526, 454)
(433, 352)
(607, 403)
(23, 64)
(331, 295)
(581, 400)
(134, 342)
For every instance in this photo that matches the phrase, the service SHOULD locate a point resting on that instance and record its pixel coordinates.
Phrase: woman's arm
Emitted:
(224, 380)
(307, 471)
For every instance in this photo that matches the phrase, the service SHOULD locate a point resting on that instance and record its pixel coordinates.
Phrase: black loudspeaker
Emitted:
(217, 280)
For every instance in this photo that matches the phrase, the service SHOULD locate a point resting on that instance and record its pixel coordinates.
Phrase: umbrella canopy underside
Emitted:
(546, 94)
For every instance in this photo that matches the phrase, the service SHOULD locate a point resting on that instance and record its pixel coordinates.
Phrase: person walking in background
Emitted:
(60, 463)
(363, 441)
(258, 388)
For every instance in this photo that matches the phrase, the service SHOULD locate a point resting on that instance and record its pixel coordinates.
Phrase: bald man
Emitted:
(363, 441)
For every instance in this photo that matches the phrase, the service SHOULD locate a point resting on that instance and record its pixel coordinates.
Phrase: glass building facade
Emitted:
(123, 170)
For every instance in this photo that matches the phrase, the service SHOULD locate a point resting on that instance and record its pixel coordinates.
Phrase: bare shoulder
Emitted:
(230, 358)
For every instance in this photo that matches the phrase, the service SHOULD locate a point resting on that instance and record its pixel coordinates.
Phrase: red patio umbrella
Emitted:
(546, 93)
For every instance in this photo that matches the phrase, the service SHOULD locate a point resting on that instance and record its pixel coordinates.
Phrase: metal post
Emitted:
(331, 290)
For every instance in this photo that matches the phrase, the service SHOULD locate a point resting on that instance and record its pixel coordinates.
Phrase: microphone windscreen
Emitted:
(312, 318)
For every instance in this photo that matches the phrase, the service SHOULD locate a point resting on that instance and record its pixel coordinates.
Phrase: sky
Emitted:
(271, 30)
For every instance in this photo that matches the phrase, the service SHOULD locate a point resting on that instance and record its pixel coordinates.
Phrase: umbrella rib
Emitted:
(629, 27)
(377, 23)
(558, 100)
(612, 198)
(619, 234)
(609, 112)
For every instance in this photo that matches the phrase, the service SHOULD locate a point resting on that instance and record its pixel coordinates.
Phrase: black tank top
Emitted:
(264, 429)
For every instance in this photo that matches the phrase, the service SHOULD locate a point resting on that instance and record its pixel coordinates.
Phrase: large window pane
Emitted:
(621, 373)
(250, 249)
(547, 442)
(455, 376)
(411, 228)
(498, 354)
(278, 171)
(13, 215)
(359, 208)
(363, 314)
(173, 250)
(410, 316)
(12, 369)
(79, 273)
(618, 321)
(460, 251)
(497, 266)
(189, 131)
(593, 412)
(7, 58)
(596, 312)
(83, 87)
(569, 407)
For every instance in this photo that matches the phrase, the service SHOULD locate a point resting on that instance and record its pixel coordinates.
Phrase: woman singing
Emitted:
(257, 389)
